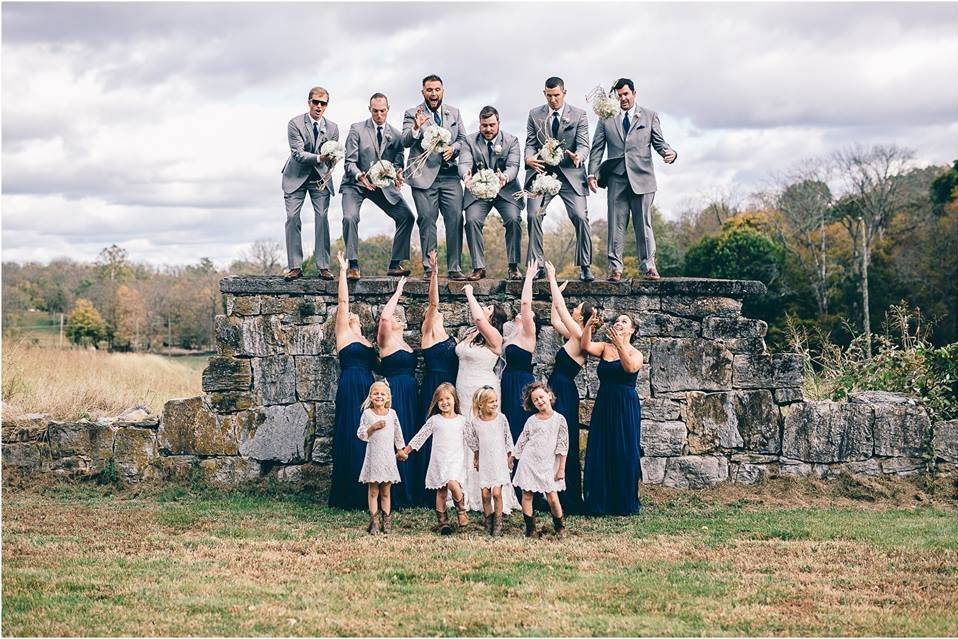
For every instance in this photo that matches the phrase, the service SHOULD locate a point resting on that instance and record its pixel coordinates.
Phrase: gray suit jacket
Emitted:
(361, 153)
(473, 156)
(304, 151)
(644, 133)
(574, 134)
(451, 121)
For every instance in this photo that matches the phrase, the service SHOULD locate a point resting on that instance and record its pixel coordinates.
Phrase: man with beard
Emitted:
(499, 151)
(369, 142)
(563, 122)
(436, 187)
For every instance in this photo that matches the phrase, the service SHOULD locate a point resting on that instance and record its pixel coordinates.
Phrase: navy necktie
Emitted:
(435, 116)
(379, 135)
(489, 146)
(625, 124)
(555, 125)
(316, 134)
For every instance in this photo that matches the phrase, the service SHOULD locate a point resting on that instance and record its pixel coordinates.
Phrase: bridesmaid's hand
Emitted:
(432, 261)
(342, 260)
(467, 289)
(550, 270)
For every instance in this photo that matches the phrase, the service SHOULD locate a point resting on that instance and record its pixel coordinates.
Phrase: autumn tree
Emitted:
(84, 325)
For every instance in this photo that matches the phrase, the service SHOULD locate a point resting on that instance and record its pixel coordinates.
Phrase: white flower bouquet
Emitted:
(604, 103)
(435, 139)
(382, 174)
(485, 184)
(334, 149)
(545, 184)
(551, 152)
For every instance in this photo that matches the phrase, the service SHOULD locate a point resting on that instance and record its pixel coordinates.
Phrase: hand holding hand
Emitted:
(670, 156)
(510, 461)
(593, 184)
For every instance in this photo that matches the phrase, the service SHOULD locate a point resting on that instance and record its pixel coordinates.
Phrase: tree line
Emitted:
(838, 240)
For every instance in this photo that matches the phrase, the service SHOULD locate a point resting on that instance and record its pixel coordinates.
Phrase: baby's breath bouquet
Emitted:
(485, 184)
(382, 174)
(604, 103)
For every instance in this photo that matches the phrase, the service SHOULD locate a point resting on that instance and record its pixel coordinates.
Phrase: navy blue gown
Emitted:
(399, 370)
(562, 382)
(612, 454)
(442, 365)
(515, 377)
(356, 364)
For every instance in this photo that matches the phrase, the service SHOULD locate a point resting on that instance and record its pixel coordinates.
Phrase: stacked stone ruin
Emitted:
(716, 405)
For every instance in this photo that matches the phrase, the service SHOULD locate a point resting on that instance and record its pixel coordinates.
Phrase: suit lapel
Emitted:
(308, 128)
(639, 122)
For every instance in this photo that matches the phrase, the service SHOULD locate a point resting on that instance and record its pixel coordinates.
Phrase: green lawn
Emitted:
(88, 560)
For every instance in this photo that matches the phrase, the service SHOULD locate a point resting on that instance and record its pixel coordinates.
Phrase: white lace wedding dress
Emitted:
(477, 366)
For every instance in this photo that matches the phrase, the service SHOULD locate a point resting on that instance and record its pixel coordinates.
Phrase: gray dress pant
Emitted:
(294, 226)
(622, 203)
(444, 195)
(578, 211)
(476, 214)
(402, 215)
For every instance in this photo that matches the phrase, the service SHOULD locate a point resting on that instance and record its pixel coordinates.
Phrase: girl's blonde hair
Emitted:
(445, 387)
(389, 395)
(481, 396)
(531, 388)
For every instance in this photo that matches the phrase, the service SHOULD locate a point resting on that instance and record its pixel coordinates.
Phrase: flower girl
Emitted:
(379, 427)
(487, 435)
(447, 463)
(541, 450)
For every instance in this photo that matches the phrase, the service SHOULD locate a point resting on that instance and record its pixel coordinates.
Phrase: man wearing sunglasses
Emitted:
(307, 171)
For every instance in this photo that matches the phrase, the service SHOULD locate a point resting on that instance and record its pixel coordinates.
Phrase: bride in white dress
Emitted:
(478, 353)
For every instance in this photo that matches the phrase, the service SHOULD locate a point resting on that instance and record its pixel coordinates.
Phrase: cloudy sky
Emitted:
(162, 127)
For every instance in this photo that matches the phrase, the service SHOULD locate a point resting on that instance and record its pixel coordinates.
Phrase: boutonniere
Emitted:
(565, 121)
(322, 131)
(497, 149)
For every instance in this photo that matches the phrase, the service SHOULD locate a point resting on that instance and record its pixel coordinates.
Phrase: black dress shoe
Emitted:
(586, 275)
(540, 274)
(456, 276)
(398, 271)
(514, 274)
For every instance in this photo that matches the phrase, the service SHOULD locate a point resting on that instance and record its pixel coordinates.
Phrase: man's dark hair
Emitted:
(623, 82)
(554, 82)
(378, 95)
(431, 78)
(488, 112)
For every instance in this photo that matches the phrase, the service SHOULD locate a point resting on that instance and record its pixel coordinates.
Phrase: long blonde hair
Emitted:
(389, 395)
(445, 387)
(481, 396)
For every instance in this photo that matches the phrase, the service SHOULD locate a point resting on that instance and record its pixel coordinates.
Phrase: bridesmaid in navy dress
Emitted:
(398, 366)
(441, 366)
(357, 360)
(569, 360)
(612, 469)
(518, 354)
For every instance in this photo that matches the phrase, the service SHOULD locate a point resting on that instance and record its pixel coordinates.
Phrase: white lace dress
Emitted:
(448, 457)
(541, 441)
(493, 440)
(379, 465)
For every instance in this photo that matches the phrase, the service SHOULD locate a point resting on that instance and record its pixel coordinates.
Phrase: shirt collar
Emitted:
(319, 121)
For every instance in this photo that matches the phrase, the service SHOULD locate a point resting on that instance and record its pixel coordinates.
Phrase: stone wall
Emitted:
(716, 406)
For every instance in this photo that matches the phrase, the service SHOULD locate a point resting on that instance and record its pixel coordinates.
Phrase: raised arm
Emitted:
(342, 301)
(432, 322)
(526, 318)
(569, 327)
(493, 337)
(385, 318)
(586, 343)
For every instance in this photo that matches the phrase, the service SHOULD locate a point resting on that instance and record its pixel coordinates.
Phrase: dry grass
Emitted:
(75, 383)
(90, 561)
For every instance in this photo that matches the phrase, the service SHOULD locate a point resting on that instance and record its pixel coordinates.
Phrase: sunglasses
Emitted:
(318, 102)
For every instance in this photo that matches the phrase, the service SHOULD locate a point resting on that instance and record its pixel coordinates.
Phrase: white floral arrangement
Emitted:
(382, 174)
(485, 184)
(334, 149)
(545, 185)
(497, 149)
(551, 152)
(435, 139)
(604, 103)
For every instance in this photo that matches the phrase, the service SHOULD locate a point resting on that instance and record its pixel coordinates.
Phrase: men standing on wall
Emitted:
(369, 142)
(497, 150)
(306, 170)
(436, 187)
(629, 176)
(570, 126)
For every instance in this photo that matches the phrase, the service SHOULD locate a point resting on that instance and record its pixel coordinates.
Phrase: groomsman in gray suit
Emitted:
(436, 187)
(369, 142)
(629, 176)
(303, 172)
(556, 119)
(494, 149)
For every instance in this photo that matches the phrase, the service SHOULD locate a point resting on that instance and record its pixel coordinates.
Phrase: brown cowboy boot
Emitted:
(497, 526)
(558, 526)
(462, 516)
(386, 522)
(443, 528)
(373, 527)
(530, 524)
(487, 523)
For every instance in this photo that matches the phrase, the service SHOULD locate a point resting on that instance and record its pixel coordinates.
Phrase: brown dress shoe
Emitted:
(514, 274)
(615, 276)
(478, 274)
(293, 274)
(398, 271)
(352, 274)
(456, 276)
(325, 274)
(652, 274)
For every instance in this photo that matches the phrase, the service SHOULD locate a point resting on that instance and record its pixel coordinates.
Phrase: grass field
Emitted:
(788, 558)
(75, 383)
